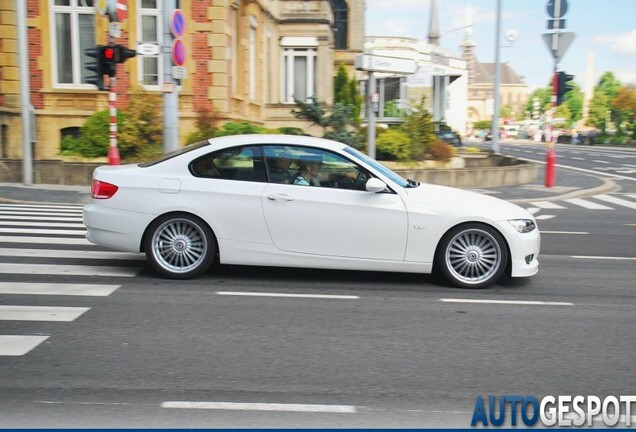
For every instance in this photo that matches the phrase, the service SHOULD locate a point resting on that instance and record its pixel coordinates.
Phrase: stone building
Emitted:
(246, 59)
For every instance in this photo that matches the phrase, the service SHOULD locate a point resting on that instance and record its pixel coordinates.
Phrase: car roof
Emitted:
(274, 139)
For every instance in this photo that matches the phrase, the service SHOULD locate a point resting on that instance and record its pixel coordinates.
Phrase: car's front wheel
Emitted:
(472, 256)
(180, 246)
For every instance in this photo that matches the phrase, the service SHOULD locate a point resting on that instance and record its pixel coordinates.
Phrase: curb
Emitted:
(607, 187)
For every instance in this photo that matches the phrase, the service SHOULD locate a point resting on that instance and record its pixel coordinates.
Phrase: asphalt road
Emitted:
(341, 349)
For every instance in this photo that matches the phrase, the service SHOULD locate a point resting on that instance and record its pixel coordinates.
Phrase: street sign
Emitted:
(177, 23)
(103, 6)
(114, 29)
(179, 72)
(122, 9)
(558, 43)
(556, 24)
(178, 52)
(552, 9)
(147, 48)
(376, 63)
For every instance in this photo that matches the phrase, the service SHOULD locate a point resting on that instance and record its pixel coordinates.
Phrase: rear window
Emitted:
(174, 153)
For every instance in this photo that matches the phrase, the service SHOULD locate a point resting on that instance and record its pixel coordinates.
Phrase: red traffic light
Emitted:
(109, 54)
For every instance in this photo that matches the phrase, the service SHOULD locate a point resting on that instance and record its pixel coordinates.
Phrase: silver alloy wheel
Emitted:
(473, 256)
(179, 245)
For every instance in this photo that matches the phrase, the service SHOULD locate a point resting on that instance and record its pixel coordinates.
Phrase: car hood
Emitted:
(442, 199)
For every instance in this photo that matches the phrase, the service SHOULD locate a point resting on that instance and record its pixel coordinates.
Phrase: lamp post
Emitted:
(495, 114)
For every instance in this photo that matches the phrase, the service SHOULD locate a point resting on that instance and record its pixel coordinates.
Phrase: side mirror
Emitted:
(375, 185)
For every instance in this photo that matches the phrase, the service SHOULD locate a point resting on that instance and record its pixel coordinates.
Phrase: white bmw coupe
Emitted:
(291, 201)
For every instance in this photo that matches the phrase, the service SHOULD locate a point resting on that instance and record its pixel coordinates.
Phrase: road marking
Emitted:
(42, 218)
(41, 313)
(44, 240)
(43, 224)
(78, 254)
(313, 296)
(57, 289)
(533, 210)
(601, 161)
(545, 217)
(11, 345)
(565, 232)
(604, 258)
(588, 204)
(42, 206)
(604, 174)
(67, 270)
(631, 195)
(577, 158)
(546, 205)
(508, 302)
(615, 200)
(39, 213)
(40, 231)
(334, 409)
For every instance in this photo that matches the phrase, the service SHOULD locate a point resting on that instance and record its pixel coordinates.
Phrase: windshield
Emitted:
(378, 167)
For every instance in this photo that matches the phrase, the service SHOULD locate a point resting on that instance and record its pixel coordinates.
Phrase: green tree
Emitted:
(624, 104)
(419, 127)
(601, 103)
(205, 127)
(574, 102)
(141, 134)
(339, 125)
(346, 92)
(505, 112)
(544, 95)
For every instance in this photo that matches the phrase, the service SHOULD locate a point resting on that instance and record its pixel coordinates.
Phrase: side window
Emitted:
(238, 163)
(306, 166)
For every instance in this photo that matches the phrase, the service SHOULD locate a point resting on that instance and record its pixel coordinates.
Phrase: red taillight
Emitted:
(102, 190)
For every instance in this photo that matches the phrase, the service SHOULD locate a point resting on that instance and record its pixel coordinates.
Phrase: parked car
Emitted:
(450, 137)
(218, 201)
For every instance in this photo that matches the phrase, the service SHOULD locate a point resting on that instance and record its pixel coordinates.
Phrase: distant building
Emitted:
(246, 59)
(513, 92)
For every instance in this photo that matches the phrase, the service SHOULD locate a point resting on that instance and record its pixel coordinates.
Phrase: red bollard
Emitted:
(550, 172)
(113, 156)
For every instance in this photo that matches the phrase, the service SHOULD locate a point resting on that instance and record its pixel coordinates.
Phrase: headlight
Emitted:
(523, 225)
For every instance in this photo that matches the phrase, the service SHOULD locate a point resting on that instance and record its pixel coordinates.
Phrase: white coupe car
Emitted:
(290, 201)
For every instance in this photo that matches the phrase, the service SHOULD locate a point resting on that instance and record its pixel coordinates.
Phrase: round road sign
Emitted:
(122, 9)
(177, 23)
(178, 52)
(552, 8)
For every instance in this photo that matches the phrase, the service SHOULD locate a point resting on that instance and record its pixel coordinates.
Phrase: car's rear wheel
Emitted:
(180, 246)
(472, 256)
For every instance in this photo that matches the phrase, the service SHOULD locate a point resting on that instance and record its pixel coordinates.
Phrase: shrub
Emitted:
(94, 136)
(140, 135)
(441, 151)
(238, 128)
(285, 130)
(392, 145)
(205, 127)
(418, 126)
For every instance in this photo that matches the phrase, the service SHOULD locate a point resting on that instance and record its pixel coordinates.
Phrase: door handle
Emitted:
(279, 197)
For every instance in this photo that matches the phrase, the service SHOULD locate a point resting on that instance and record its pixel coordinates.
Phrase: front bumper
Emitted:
(521, 247)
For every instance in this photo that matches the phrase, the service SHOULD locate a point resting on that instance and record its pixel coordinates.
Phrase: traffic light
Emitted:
(121, 53)
(110, 64)
(97, 66)
(563, 86)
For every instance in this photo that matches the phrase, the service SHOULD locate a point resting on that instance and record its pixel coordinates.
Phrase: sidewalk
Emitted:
(569, 184)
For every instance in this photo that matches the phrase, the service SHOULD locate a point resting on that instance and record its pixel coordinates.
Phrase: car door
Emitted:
(338, 218)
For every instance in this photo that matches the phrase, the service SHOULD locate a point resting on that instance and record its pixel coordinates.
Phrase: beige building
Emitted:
(246, 59)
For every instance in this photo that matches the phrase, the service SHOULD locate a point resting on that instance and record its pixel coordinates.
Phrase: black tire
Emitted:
(472, 256)
(180, 246)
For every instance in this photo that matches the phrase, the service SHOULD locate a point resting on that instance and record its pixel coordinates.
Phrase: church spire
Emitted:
(433, 25)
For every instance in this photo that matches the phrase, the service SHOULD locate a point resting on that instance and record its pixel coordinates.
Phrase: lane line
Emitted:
(41, 313)
(92, 290)
(547, 205)
(27, 212)
(588, 204)
(68, 270)
(333, 409)
(604, 258)
(45, 240)
(312, 296)
(616, 200)
(507, 302)
(42, 206)
(577, 158)
(545, 217)
(601, 161)
(16, 345)
(77, 254)
(41, 231)
(42, 224)
(565, 232)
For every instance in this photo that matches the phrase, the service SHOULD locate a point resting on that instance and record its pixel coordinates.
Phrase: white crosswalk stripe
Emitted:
(546, 205)
(596, 202)
(50, 241)
(588, 204)
(616, 200)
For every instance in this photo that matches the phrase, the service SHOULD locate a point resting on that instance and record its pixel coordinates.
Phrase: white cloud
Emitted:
(624, 43)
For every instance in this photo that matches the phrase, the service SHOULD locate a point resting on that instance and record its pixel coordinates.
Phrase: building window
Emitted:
(341, 24)
(73, 31)
(150, 25)
(299, 74)
(253, 27)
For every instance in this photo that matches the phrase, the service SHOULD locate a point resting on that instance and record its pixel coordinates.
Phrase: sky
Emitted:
(604, 28)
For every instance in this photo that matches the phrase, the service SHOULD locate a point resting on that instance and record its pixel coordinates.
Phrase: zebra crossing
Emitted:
(49, 241)
(601, 202)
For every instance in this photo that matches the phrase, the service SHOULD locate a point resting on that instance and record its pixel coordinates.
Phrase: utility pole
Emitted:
(495, 114)
(25, 94)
